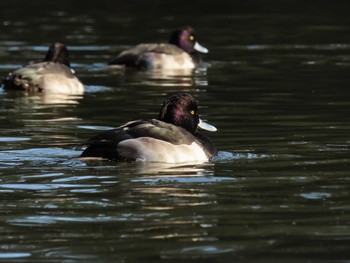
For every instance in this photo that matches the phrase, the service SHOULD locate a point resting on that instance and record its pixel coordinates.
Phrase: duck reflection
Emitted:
(162, 77)
(171, 200)
(48, 98)
(166, 171)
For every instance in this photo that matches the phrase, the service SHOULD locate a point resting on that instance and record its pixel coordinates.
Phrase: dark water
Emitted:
(277, 89)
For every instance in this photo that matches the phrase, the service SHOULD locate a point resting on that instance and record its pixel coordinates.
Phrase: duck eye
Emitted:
(191, 37)
(192, 112)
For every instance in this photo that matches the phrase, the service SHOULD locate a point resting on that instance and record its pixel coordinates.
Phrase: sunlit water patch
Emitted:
(223, 156)
(17, 255)
(96, 88)
(13, 139)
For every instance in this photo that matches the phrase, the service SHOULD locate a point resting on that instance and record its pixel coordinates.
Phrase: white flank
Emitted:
(153, 150)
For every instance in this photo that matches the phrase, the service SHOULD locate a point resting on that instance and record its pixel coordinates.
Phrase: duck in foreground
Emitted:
(53, 74)
(172, 138)
(180, 53)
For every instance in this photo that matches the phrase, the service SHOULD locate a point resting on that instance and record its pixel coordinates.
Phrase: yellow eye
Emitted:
(192, 37)
(192, 112)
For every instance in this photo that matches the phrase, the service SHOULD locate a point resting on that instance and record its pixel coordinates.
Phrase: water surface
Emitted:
(276, 87)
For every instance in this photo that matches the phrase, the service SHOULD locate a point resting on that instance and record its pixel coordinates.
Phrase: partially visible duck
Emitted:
(172, 138)
(180, 53)
(52, 75)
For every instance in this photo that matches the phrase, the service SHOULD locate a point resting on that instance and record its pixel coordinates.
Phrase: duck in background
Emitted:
(172, 138)
(180, 53)
(52, 75)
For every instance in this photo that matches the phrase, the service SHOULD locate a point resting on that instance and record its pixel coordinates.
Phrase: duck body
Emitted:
(150, 141)
(155, 56)
(53, 75)
(180, 53)
(155, 140)
(44, 77)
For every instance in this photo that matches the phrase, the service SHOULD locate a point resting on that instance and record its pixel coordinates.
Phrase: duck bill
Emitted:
(205, 126)
(200, 48)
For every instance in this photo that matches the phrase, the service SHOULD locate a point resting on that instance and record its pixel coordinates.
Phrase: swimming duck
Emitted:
(172, 138)
(53, 74)
(180, 53)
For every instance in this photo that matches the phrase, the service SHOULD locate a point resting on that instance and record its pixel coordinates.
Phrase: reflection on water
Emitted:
(276, 87)
(160, 169)
(48, 98)
(163, 78)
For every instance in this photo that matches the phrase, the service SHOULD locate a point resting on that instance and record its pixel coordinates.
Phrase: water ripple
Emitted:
(4, 255)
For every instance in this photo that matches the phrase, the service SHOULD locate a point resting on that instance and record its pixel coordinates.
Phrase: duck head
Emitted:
(182, 110)
(186, 39)
(58, 53)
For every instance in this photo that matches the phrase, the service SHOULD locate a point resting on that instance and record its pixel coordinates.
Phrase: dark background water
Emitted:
(276, 87)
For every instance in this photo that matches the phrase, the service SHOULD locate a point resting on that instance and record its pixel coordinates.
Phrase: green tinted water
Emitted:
(276, 88)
